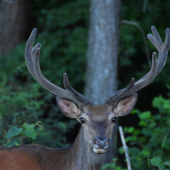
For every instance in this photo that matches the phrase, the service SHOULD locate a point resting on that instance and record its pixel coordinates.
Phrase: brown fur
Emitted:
(29, 157)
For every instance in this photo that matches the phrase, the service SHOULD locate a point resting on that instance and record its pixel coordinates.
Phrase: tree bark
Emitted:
(102, 56)
(13, 23)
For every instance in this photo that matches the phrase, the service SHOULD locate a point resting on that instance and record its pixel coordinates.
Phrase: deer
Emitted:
(97, 121)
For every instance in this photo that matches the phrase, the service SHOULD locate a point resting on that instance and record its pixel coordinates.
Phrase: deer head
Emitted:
(97, 120)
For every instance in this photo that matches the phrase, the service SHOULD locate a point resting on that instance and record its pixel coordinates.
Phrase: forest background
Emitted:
(63, 33)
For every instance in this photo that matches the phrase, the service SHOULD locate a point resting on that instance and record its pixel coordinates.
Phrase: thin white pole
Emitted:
(125, 147)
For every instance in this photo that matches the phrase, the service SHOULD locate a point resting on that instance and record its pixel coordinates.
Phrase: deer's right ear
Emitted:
(68, 107)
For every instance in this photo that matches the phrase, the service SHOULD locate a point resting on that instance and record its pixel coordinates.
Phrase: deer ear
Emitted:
(68, 107)
(126, 105)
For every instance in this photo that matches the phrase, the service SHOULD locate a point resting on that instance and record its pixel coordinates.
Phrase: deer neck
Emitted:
(83, 155)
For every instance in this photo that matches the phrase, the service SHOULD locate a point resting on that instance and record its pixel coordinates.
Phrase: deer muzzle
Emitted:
(100, 144)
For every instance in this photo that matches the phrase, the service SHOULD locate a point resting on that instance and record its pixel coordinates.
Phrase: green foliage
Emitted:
(113, 165)
(158, 163)
(62, 31)
(15, 135)
(152, 137)
(155, 161)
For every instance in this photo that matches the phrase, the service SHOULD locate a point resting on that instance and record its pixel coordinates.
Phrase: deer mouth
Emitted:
(99, 150)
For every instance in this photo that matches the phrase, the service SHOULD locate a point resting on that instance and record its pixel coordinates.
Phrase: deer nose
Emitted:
(101, 142)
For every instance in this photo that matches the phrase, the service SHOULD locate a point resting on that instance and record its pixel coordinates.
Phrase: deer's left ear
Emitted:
(126, 105)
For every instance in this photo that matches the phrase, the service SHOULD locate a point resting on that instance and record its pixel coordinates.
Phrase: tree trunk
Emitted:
(13, 23)
(102, 56)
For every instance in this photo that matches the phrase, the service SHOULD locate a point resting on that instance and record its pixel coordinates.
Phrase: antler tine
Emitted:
(32, 60)
(44, 82)
(157, 66)
(161, 47)
(147, 79)
(116, 96)
(73, 92)
(29, 52)
(167, 39)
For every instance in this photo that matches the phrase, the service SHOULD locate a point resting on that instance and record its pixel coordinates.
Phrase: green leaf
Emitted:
(14, 142)
(30, 133)
(135, 111)
(155, 161)
(145, 115)
(27, 126)
(14, 131)
(167, 163)
(131, 129)
(145, 153)
(142, 123)
(161, 167)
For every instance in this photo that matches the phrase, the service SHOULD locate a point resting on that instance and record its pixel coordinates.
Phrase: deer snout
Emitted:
(101, 142)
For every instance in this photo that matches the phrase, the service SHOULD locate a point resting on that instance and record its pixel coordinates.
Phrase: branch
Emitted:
(144, 6)
(125, 148)
(143, 36)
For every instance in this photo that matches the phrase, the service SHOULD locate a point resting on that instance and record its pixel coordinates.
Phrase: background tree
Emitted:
(14, 20)
(101, 76)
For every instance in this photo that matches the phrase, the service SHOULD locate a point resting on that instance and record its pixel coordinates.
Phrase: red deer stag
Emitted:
(87, 152)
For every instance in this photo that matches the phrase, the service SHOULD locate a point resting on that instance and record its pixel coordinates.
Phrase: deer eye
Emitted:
(82, 120)
(114, 119)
